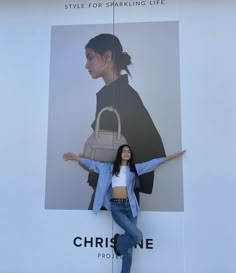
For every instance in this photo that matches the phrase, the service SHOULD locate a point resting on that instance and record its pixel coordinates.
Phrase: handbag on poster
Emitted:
(102, 145)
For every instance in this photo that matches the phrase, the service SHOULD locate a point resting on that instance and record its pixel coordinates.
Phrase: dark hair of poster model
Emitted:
(104, 42)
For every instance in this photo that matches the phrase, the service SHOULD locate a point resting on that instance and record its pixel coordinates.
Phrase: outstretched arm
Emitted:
(170, 157)
(73, 157)
(86, 163)
(152, 164)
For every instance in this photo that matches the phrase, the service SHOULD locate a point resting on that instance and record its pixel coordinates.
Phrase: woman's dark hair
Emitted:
(103, 42)
(117, 162)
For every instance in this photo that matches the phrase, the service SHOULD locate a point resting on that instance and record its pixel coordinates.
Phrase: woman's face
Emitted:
(95, 64)
(126, 154)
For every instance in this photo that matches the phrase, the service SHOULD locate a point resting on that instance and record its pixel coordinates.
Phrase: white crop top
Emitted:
(120, 180)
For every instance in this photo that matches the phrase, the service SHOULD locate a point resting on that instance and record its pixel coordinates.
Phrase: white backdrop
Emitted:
(200, 240)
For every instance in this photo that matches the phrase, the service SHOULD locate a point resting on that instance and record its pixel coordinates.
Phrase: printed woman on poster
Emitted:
(106, 59)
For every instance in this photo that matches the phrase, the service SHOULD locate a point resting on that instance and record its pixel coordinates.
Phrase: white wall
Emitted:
(207, 44)
(34, 240)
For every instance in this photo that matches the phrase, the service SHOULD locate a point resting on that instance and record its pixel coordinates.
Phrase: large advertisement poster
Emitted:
(147, 105)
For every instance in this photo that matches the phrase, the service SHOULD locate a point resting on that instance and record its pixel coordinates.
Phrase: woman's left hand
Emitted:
(170, 157)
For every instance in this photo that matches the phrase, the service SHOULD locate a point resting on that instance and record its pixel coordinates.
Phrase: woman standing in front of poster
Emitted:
(115, 191)
(106, 59)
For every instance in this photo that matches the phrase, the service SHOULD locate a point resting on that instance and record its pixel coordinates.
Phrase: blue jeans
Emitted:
(122, 215)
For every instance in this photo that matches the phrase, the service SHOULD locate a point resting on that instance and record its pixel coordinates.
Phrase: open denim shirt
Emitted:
(104, 188)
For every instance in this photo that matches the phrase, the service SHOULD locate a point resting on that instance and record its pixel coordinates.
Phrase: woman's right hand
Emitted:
(71, 156)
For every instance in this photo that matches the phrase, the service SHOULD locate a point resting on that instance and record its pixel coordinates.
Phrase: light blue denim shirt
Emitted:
(104, 188)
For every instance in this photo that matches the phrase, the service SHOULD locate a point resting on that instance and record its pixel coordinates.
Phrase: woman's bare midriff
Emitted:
(119, 192)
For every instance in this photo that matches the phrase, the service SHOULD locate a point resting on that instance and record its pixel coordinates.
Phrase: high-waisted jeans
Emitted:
(122, 215)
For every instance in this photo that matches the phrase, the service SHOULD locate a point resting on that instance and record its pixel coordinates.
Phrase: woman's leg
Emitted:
(122, 215)
(127, 261)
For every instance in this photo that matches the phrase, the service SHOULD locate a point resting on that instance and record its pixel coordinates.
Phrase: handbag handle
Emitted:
(97, 126)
